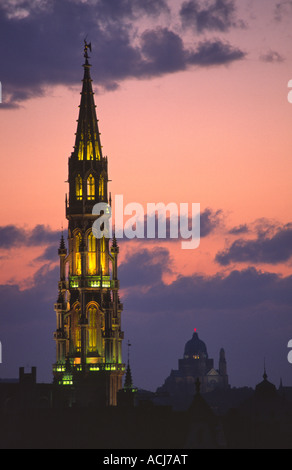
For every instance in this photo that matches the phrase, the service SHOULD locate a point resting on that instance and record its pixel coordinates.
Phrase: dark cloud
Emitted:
(238, 230)
(114, 10)
(27, 325)
(216, 52)
(42, 234)
(283, 9)
(50, 254)
(164, 51)
(246, 312)
(13, 97)
(148, 270)
(108, 10)
(271, 57)
(238, 290)
(152, 7)
(12, 236)
(41, 45)
(210, 220)
(220, 15)
(266, 248)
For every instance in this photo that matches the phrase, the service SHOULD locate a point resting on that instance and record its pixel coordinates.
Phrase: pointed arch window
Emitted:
(77, 329)
(90, 188)
(97, 152)
(101, 186)
(91, 254)
(78, 187)
(78, 254)
(81, 150)
(89, 152)
(92, 328)
(102, 256)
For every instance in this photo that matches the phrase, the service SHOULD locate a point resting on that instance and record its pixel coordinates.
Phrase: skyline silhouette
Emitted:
(195, 111)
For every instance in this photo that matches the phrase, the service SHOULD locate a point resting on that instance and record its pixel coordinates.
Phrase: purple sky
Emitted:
(192, 105)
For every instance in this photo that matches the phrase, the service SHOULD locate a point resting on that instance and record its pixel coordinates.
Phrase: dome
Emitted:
(265, 389)
(195, 347)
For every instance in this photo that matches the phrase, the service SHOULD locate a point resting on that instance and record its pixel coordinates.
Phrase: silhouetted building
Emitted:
(195, 365)
(25, 393)
(127, 395)
(262, 421)
(204, 428)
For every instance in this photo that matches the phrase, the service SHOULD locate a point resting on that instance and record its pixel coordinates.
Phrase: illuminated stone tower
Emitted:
(88, 335)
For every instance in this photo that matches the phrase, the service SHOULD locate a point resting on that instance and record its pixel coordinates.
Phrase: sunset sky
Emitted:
(192, 105)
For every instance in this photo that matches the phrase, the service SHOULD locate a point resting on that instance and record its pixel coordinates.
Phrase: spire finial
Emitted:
(86, 47)
(129, 344)
(114, 243)
(62, 242)
(265, 373)
(128, 379)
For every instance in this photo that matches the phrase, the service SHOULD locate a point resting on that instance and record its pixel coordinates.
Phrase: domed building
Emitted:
(180, 385)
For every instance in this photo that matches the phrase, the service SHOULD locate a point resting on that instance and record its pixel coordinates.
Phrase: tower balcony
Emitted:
(59, 368)
(76, 282)
(81, 208)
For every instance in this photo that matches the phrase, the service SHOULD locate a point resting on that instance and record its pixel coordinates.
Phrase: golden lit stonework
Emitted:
(88, 334)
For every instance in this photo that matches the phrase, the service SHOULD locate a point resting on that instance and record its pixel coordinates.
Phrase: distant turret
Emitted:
(222, 363)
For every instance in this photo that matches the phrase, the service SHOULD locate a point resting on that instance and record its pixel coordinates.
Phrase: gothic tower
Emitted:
(88, 310)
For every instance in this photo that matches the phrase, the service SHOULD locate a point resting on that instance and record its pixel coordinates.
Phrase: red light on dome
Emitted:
(195, 329)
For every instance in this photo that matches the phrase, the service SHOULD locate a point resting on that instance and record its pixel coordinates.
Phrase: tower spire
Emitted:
(128, 378)
(265, 371)
(87, 142)
(89, 317)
